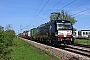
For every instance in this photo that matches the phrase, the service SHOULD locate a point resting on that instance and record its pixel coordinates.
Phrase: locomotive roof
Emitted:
(60, 21)
(52, 21)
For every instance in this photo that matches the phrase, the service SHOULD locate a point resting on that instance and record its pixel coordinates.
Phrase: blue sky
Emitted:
(25, 13)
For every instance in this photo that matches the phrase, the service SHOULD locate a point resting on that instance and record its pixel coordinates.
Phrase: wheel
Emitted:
(72, 42)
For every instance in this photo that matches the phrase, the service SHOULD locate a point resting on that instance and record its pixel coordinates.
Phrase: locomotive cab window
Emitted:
(60, 25)
(68, 25)
(64, 26)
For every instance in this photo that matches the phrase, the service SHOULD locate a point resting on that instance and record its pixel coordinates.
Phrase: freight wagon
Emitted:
(33, 34)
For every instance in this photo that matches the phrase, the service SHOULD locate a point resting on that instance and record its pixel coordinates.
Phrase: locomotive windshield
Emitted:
(64, 26)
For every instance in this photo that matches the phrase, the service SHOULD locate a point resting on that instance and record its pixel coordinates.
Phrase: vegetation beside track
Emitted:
(25, 51)
(80, 41)
(6, 40)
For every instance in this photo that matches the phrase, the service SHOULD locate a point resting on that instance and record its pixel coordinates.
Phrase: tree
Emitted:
(9, 27)
(62, 16)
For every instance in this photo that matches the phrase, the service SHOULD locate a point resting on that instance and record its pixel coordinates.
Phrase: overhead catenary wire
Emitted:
(73, 9)
(40, 11)
(50, 10)
(53, 7)
(34, 14)
(73, 14)
(66, 5)
(80, 11)
(79, 5)
(88, 13)
(42, 8)
(36, 11)
(58, 10)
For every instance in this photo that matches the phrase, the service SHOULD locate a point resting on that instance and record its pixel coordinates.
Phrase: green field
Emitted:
(25, 51)
(85, 42)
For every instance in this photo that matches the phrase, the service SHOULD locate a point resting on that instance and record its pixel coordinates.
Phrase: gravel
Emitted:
(60, 53)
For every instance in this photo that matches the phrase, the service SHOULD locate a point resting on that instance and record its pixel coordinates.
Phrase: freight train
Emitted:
(54, 32)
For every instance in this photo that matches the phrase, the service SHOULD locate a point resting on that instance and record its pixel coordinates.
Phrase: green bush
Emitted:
(6, 40)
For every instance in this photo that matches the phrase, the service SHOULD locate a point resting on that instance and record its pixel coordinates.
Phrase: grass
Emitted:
(85, 42)
(25, 51)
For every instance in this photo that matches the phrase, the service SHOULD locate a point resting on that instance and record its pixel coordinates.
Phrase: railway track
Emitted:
(78, 50)
(81, 45)
(66, 52)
